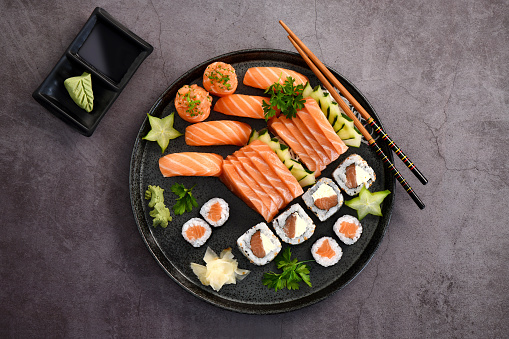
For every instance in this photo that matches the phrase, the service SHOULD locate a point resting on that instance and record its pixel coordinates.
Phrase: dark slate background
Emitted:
(72, 262)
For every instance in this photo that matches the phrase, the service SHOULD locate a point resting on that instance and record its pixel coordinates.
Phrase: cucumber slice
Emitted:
(307, 90)
(317, 93)
(283, 153)
(348, 131)
(308, 180)
(274, 144)
(294, 164)
(332, 112)
(264, 136)
(253, 136)
(325, 102)
(355, 141)
(298, 173)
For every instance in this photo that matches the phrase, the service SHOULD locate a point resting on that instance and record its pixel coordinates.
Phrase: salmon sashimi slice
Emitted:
(240, 105)
(312, 126)
(271, 158)
(311, 106)
(256, 188)
(260, 178)
(325, 250)
(263, 77)
(316, 142)
(191, 164)
(219, 132)
(215, 212)
(195, 232)
(269, 173)
(284, 133)
(349, 229)
(305, 142)
(239, 187)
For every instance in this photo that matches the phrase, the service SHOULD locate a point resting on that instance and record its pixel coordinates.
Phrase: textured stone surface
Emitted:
(72, 263)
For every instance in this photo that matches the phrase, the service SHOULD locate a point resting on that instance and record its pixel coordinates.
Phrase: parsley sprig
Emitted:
(293, 273)
(185, 201)
(286, 97)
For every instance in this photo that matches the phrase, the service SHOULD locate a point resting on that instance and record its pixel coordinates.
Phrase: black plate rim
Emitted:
(235, 305)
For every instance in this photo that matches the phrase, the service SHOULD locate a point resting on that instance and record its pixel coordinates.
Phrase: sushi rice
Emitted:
(280, 222)
(348, 240)
(244, 244)
(225, 211)
(324, 260)
(199, 239)
(310, 201)
(339, 174)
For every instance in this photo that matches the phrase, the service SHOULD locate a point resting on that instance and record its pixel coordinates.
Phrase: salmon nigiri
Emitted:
(191, 164)
(219, 132)
(240, 105)
(263, 77)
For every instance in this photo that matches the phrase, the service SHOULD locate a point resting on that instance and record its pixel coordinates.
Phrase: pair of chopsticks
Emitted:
(317, 66)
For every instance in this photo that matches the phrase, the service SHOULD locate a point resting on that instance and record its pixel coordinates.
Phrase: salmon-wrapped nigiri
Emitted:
(241, 105)
(193, 103)
(218, 132)
(191, 164)
(263, 77)
(220, 79)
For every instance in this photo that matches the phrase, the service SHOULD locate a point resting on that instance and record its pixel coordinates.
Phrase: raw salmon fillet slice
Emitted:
(263, 77)
(271, 176)
(195, 232)
(215, 212)
(256, 188)
(219, 132)
(271, 158)
(238, 186)
(191, 164)
(260, 178)
(316, 140)
(240, 105)
(311, 107)
(325, 250)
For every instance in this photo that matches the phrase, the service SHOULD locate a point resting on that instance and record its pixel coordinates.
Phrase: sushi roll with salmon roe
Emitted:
(220, 79)
(193, 103)
(326, 251)
(196, 231)
(259, 244)
(215, 211)
(348, 229)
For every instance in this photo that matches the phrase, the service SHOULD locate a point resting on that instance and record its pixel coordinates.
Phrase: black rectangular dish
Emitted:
(107, 50)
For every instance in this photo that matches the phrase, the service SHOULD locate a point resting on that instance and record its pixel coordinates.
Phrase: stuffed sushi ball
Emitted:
(196, 231)
(294, 226)
(215, 211)
(348, 229)
(324, 198)
(259, 244)
(326, 251)
(353, 173)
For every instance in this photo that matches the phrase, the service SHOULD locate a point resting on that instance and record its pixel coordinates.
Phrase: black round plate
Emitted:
(174, 254)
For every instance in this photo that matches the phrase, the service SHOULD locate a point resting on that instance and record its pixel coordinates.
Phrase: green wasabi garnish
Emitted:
(80, 90)
(160, 212)
(162, 130)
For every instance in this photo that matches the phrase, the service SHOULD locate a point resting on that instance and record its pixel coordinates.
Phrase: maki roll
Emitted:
(324, 198)
(352, 173)
(294, 226)
(259, 244)
(348, 229)
(215, 211)
(196, 231)
(326, 251)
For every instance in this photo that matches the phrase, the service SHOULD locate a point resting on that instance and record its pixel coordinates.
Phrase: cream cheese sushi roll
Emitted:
(196, 231)
(294, 226)
(259, 244)
(215, 211)
(352, 173)
(348, 229)
(324, 198)
(326, 251)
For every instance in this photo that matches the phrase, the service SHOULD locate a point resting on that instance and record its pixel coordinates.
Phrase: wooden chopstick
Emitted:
(358, 124)
(369, 120)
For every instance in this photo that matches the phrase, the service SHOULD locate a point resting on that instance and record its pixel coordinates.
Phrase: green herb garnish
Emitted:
(293, 273)
(286, 97)
(80, 90)
(367, 202)
(192, 104)
(162, 130)
(185, 201)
